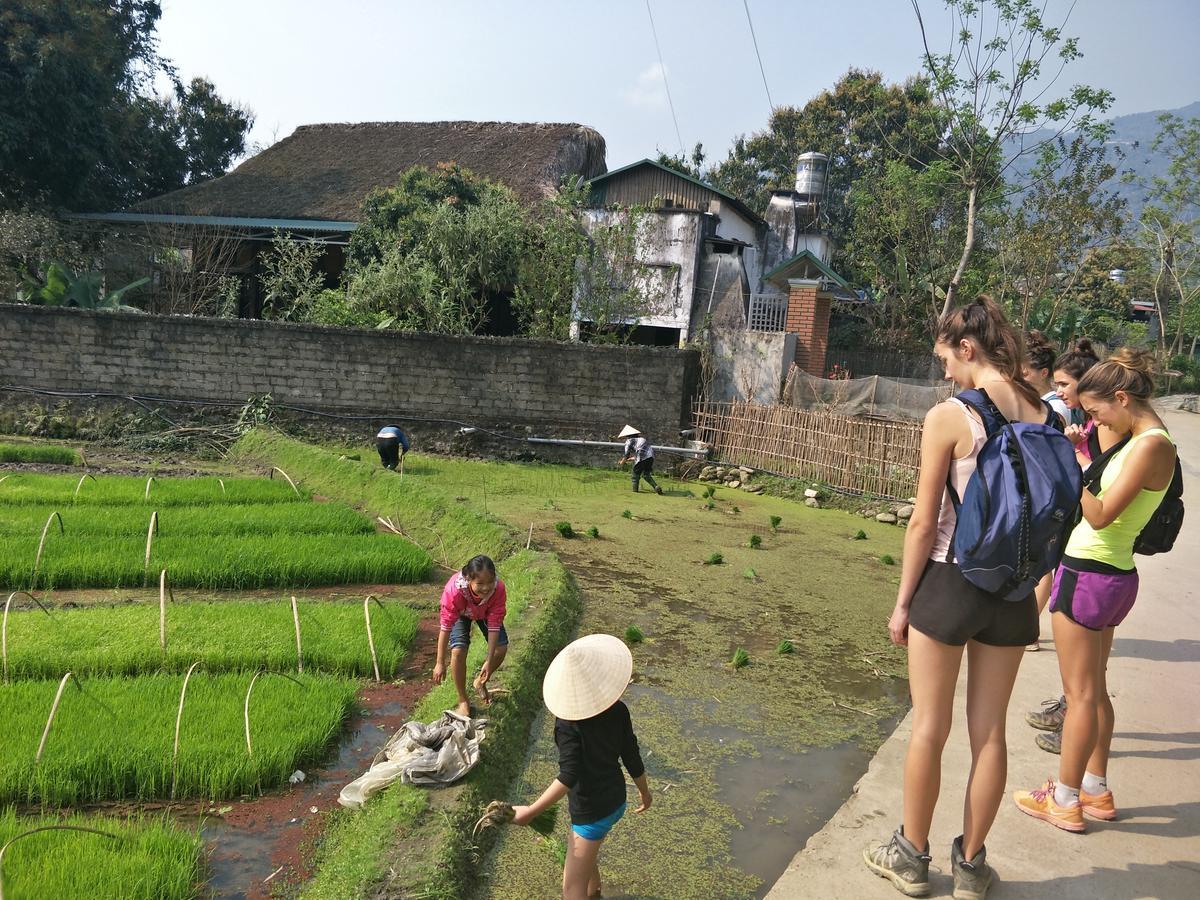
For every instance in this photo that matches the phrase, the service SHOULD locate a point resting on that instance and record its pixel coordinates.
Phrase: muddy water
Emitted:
(257, 846)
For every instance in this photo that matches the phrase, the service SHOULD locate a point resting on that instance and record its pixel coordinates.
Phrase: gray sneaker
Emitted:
(972, 877)
(1050, 741)
(1050, 716)
(900, 863)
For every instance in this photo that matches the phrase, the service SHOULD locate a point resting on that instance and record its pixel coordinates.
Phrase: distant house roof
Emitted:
(804, 264)
(602, 194)
(324, 172)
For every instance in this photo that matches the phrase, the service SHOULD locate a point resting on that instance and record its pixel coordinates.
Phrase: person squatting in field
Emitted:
(1097, 583)
(939, 613)
(473, 597)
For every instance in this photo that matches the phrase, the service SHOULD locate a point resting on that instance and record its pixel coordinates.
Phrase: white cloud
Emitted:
(650, 89)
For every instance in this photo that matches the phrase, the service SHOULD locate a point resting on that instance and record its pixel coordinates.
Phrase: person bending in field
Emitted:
(473, 596)
(639, 451)
(594, 736)
(392, 444)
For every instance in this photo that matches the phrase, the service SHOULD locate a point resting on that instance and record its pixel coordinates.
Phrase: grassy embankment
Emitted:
(410, 839)
(38, 453)
(144, 859)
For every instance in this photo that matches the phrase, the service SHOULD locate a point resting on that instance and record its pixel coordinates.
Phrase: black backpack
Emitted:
(1160, 532)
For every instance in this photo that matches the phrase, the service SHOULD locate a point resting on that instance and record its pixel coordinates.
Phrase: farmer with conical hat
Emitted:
(594, 735)
(639, 451)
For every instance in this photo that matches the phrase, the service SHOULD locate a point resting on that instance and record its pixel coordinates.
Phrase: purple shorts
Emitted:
(1093, 594)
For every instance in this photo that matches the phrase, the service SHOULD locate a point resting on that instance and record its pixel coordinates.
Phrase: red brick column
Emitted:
(808, 318)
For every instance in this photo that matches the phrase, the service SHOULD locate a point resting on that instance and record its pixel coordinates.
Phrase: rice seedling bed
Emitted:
(233, 518)
(148, 859)
(212, 561)
(38, 453)
(113, 738)
(222, 636)
(120, 490)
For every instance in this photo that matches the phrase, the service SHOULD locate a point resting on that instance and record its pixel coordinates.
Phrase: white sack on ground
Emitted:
(438, 753)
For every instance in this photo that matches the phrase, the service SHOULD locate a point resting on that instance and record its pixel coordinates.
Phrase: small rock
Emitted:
(811, 494)
(904, 512)
(745, 470)
(296, 777)
(734, 484)
(912, 501)
(752, 488)
(886, 518)
(812, 503)
(312, 809)
(720, 471)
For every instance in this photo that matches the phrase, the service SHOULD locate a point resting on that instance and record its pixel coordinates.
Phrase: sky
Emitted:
(295, 62)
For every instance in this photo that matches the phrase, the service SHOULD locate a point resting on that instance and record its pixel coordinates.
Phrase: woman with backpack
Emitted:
(1097, 583)
(939, 613)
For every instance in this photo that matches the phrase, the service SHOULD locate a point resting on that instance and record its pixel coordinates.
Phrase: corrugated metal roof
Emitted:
(733, 201)
(804, 259)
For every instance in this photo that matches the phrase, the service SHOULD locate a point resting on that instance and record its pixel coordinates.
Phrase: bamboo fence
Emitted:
(863, 456)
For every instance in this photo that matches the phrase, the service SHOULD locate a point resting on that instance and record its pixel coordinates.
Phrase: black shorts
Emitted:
(951, 610)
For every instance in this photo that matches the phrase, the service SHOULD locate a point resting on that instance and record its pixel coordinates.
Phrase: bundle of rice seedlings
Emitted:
(755, 541)
(564, 529)
(634, 635)
(714, 559)
(785, 647)
(741, 659)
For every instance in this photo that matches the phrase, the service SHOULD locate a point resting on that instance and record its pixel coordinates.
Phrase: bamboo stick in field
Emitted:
(150, 533)
(246, 705)
(40, 828)
(163, 590)
(371, 637)
(221, 482)
(275, 469)
(50, 719)
(37, 560)
(529, 539)
(299, 651)
(149, 481)
(79, 484)
(178, 722)
(4, 625)
(3, 478)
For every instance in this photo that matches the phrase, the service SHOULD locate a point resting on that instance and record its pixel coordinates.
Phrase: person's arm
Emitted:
(937, 450)
(570, 751)
(447, 614)
(439, 666)
(493, 641)
(631, 757)
(523, 815)
(497, 608)
(1147, 460)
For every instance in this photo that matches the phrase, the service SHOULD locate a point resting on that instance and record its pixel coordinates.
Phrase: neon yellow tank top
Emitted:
(1114, 545)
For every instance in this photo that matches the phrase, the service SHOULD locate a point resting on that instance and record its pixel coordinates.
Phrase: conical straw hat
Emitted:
(587, 677)
(628, 431)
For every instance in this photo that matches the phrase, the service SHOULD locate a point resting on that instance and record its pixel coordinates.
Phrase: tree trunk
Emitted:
(968, 246)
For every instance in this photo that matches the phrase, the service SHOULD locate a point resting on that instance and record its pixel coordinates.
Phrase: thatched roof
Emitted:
(325, 171)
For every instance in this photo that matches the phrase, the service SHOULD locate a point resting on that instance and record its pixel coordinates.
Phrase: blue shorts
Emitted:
(460, 634)
(597, 831)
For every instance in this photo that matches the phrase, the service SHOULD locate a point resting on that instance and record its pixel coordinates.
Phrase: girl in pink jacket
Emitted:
(474, 595)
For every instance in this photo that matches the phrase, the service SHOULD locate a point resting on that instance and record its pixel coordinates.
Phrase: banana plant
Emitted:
(62, 287)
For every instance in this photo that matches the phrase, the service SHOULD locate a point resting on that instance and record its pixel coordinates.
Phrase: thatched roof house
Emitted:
(323, 172)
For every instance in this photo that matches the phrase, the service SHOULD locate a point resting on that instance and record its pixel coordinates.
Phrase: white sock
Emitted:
(1094, 784)
(1066, 796)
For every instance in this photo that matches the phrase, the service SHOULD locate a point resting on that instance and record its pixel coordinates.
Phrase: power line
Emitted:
(762, 71)
(662, 68)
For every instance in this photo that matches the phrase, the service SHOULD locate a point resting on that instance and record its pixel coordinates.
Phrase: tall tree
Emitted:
(80, 125)
(1003, 58)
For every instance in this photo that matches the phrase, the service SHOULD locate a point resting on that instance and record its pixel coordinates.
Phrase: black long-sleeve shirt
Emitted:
(588, 754)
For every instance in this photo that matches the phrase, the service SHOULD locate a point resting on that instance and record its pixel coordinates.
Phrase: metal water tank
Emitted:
(810, 174)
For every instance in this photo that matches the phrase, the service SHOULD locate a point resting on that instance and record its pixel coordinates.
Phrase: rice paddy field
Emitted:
(38, 453)
(117, 735)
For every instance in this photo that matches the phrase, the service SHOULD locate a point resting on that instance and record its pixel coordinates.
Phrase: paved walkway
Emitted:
(1153, 849)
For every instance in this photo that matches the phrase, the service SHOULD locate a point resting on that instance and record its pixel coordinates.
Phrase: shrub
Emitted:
(564, 529)
(741, 659)
(714, 559)
(634, 635)
(755, 542)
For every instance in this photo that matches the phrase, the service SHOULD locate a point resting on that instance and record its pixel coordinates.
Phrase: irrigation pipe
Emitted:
(37, 560)
(4, 625)
(299, 651)
(150, 533)
(75, 496)
(246, 706)
(178, 722)
(24, 834)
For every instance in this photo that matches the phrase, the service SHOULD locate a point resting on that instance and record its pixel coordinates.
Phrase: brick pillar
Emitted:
(808, 318)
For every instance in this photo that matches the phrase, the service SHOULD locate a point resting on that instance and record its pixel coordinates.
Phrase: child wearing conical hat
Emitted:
(594, 735)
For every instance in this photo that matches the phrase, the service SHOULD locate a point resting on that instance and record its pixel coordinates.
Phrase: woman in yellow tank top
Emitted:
(1096, 585)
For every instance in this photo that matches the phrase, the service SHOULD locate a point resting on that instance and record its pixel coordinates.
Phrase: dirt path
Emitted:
(1153, 849)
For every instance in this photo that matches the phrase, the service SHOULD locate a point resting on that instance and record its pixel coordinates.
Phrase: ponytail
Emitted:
(999, 343)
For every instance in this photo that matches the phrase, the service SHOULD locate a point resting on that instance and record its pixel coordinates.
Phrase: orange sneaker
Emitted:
(1099, 806)
(1040, 804)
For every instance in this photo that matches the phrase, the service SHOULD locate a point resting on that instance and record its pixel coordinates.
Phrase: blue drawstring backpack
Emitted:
(1020, 506)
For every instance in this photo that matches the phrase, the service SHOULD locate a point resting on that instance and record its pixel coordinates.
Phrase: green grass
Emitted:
(150, 859)
(119, 490)
(234, 518)
(38, 453)
(236, 562)
(114, 739)
(225, 636)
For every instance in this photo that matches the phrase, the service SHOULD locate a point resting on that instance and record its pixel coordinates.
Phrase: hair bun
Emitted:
(1134, 360)
(1085, 347)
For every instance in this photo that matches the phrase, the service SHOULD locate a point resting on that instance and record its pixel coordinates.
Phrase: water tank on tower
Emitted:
(811, 170)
